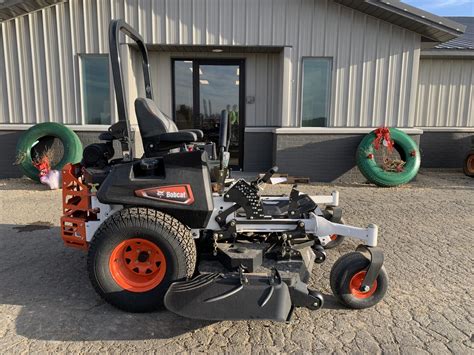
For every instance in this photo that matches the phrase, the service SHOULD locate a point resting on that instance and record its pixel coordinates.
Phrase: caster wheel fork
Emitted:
(320, 254)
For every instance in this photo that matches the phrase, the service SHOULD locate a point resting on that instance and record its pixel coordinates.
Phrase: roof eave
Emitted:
(10, 9)
(432, 28)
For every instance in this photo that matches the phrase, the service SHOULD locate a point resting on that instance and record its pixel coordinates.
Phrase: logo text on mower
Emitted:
(179, 194)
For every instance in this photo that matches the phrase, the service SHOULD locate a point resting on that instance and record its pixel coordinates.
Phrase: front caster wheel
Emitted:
(318, 300)
(346, 278)
(319, 254)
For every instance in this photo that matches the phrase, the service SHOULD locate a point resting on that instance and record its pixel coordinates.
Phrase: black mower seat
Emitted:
(159, 133)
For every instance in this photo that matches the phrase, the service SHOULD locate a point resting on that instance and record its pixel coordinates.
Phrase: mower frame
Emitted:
(255, 251)
(116, 27)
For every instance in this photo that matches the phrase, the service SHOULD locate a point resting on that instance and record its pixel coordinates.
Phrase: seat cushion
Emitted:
(151, 120)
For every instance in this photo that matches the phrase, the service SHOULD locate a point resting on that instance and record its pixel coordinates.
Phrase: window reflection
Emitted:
(96, 89)
(219, 89)
(183, 76)
(316, 91)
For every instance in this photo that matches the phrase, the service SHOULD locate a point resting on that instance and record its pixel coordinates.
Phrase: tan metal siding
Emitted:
(445, 93)
(375, 63)
(12, 70)
(4, 108)
(370, 59)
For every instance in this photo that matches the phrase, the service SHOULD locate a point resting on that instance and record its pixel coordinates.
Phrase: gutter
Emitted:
(448, 53)
(416, 14)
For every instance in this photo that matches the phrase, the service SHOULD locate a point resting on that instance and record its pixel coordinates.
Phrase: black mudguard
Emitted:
(124, 182)
(231, 296)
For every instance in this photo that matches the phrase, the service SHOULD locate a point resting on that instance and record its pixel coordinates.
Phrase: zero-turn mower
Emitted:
(159, 232)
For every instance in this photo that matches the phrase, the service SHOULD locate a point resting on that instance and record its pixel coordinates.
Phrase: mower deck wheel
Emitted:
(136, 254)
(346, 277)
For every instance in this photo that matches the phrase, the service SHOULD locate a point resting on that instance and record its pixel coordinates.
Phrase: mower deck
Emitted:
(264, 287)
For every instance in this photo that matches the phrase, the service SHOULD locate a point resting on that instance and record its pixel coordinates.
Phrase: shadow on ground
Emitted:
(57, 302)
(22, 184)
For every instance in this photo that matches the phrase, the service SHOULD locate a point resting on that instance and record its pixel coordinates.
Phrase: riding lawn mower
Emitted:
(159, 232)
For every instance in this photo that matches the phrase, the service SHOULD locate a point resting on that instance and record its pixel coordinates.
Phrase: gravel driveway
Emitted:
(427, 229)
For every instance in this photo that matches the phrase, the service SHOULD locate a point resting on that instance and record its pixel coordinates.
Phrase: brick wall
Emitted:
(445, 149)
(258, 151)
(321, 157)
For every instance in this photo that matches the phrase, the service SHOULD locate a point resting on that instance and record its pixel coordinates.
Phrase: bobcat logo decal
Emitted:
(179, 194)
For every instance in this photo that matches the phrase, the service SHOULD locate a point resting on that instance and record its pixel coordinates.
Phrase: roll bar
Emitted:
(115, 27)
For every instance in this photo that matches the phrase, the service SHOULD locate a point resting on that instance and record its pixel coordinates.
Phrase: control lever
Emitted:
(224, 155)
(265, 178)
(224, 140)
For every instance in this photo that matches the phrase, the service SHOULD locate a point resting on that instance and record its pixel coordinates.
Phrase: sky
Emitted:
(445, 7)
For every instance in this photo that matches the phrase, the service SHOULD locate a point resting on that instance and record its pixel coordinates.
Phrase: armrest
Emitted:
(198, 132)
(178, 137)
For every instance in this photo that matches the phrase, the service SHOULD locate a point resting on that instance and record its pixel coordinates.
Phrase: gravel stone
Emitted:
(426, 230)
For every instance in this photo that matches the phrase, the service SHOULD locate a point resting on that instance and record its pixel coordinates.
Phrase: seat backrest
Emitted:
(151, 120)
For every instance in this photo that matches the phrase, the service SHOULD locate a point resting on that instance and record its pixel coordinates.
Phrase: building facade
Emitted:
(302, 81)
(445, 101)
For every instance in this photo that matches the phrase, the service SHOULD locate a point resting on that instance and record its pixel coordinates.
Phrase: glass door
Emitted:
(202, 90)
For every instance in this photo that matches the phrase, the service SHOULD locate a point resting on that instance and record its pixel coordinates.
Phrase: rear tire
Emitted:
(346, 276)
(165, 252)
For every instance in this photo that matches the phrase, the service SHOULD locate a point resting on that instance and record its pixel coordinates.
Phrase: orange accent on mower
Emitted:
(137, 265)
(356, 282)
(77, 209)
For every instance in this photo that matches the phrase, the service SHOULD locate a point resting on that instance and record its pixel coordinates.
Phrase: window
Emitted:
(315, 96)
(202, 89)
(183, 93)
(95, 89)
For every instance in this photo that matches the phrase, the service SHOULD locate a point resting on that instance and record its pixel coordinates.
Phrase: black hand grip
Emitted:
(269, 174)
(224, 130)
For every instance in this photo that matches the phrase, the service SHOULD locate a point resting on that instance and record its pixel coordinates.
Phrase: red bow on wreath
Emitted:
(383, 134)
(43, 165)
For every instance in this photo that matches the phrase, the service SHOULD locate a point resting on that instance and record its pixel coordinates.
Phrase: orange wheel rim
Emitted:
(137, 265)
(470, 163)
(356, 282)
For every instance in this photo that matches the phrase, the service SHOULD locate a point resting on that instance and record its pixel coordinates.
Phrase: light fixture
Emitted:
(237, 82)
(218, 50)
(204, 82)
